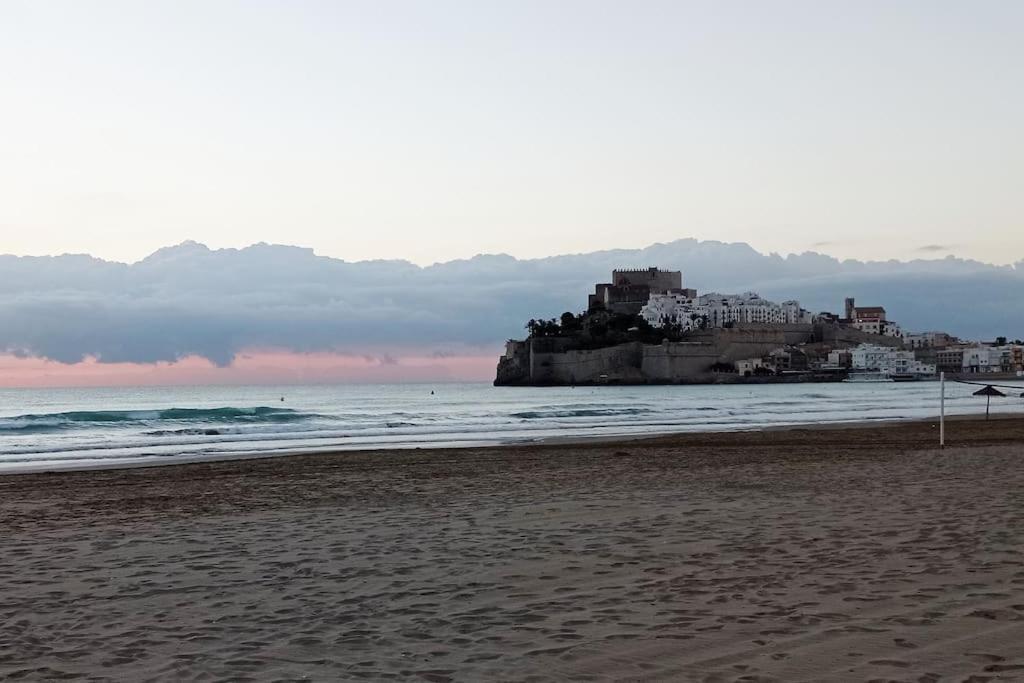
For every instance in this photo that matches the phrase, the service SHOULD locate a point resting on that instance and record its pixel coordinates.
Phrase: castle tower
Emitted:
(850, 308)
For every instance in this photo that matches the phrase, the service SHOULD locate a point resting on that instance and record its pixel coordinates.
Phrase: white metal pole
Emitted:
(942, 410)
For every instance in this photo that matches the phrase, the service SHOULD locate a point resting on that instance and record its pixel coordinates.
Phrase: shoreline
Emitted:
(584, 440)
(808, 443)
(922, 427)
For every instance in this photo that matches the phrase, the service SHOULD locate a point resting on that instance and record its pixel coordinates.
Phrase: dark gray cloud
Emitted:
(936, 248)
(191, 300)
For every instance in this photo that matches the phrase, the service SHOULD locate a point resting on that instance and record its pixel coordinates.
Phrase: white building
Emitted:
(889, 360)
(986, 358)
(885, 328)
(871, 319)
(891, 329)
(676, 308)
(870, 357)
(749, 366)
(719, 310)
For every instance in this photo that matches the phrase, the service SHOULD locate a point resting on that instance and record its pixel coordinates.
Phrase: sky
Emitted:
(435, 131)
(267, 367)
(431, 131)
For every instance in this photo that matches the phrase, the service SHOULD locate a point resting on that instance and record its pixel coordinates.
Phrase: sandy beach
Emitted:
(803, 554)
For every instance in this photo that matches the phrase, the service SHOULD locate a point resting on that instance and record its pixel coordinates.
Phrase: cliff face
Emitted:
(541, 362)
(514, 366)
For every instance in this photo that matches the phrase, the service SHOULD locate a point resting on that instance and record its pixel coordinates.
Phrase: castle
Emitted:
(630, 290)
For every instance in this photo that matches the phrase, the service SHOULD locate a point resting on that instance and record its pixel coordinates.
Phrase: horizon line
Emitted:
(1013, 265)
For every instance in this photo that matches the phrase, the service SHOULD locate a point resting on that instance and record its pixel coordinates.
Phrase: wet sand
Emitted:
(804, 554)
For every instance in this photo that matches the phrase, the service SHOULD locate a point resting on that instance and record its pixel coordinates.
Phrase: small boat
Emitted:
(869, 376)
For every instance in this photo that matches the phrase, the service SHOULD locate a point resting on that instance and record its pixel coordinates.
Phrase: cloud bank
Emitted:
(189, 300)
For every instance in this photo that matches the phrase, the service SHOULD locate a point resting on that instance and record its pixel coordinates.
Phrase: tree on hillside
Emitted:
(544, 328)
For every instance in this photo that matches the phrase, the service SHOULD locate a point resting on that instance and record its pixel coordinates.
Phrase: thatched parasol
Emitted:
(988, 392)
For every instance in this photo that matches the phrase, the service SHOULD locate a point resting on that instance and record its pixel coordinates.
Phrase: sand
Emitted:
(842, 554)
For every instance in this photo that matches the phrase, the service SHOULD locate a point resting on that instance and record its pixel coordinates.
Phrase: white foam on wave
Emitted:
(319, 418)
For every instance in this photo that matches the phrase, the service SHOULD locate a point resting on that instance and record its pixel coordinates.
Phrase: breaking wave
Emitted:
(91, 431)
(580, 412)
(85, 419)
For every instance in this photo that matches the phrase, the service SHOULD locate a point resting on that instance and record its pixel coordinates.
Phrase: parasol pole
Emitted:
(942, 410)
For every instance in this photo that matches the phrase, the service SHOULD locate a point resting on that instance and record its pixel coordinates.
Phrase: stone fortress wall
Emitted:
(547, 362)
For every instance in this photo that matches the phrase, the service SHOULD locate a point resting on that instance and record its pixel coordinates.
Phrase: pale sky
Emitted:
(438, 129)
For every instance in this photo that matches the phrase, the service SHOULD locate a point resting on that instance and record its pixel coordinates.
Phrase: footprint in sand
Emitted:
(986, 656)
(999, 668)
(889, 662)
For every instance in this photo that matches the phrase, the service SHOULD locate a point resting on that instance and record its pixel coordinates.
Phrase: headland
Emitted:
(644, 327)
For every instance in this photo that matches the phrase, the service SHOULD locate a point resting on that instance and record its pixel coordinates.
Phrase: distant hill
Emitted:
(189, 299)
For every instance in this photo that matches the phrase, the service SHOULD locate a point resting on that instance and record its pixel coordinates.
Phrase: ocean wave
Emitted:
(84, 419)
(194, 431)
(544, 414)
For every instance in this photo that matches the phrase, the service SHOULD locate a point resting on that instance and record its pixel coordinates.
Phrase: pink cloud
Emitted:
(253, 367)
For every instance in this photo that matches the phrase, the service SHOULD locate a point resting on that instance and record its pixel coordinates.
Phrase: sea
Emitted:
(77, 428)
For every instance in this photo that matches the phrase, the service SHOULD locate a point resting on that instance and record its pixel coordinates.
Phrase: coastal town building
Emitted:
(838, 359)
(870, 319)
(981, 358)
(875, 325)
(749, 307)
(787, 359)
(950, 359)
(889, 360)
(870, 357)
(749, 367)
(904, 363)
(719, 310)
(978, 358)
(777, 361)
(828, 317)
(928, 340)
(676, 308)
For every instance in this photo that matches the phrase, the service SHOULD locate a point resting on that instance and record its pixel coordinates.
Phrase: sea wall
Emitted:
(589, 366)
(692, 360)
(752, 336)
(551, 361)
(841, 336)
(547, 361)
